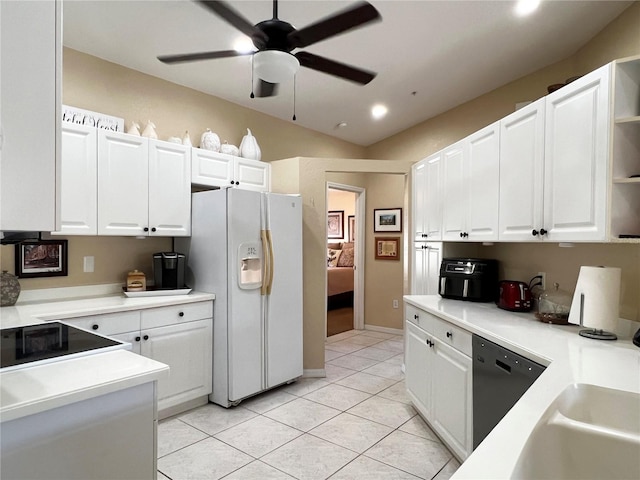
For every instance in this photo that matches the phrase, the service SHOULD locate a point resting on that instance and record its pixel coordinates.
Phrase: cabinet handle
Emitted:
(416, 317)
(146, 229)
(232, 182)
(95, 326)
(466, 234)
(146, 337)
(461, 235)
(534, 233)
(425, 235)
(543, 231)
(430, 343)
(237, 183)
(137, 339)
(181, 314)
(449, 335)
(153, 229)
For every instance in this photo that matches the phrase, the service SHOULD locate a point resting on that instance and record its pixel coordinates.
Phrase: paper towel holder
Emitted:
(594, 333)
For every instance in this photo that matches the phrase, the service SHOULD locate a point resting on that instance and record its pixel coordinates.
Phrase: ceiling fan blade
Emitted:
(266, 89)
(233, 18)
(192, 57)
(334, 68)
(352, 17)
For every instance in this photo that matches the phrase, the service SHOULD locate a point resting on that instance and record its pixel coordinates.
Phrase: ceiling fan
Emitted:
(275, 39)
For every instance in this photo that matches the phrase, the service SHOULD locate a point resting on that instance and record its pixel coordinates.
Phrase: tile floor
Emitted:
(357, 423)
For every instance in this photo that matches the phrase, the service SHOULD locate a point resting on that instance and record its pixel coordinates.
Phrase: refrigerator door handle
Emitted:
(271, 262)
(266, 261)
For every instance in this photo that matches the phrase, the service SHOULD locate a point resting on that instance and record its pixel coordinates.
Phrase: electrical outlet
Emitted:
(88, 264)
(395, 304)
(543, 280)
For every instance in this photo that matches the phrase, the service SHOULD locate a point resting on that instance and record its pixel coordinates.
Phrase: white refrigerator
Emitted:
(246, 248)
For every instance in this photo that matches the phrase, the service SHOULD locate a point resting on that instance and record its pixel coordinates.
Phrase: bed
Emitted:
(340, 276)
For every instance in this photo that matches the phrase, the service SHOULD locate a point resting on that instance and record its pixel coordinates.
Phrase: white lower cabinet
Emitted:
(180, 336)
(438, 376)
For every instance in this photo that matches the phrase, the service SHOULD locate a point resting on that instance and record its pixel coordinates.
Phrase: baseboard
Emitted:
(375, 328)
(314, 373)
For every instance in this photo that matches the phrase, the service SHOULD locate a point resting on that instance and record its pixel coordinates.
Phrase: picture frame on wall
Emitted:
(351, 228)
(335, 224)
(387, 248)
(387, 220)
(41, 258)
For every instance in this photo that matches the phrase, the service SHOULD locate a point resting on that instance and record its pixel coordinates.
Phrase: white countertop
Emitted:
(38, 388)
(569, 358)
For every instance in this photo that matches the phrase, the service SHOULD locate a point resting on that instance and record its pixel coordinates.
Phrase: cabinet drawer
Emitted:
(109, 323)
(158, 317)
(452, 335)
(418, 317)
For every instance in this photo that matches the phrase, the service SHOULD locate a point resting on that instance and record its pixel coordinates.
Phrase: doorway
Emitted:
(345, 268)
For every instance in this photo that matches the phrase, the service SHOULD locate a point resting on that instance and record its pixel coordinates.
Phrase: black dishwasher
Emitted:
(500, 377)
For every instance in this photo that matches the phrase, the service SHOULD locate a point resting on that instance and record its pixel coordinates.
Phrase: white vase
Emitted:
(210, 141)
(134, 129)
(175, 140)
(150, 131)
(186, 139)
(249, 147)
(229, 149)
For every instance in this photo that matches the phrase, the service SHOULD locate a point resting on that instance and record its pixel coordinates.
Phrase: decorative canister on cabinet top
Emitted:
(229, 149)
(210, 141)
(150, 131)
(186, 139)
(249, 147)
(9, 289)
(134, 129)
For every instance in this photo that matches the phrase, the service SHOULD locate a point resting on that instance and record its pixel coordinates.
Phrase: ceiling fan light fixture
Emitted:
(274, 66)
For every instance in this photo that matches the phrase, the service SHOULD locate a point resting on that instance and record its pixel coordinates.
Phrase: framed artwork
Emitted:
(335, 224)
(41, 258)
(387, 248)
(351, 222)
(387, 220)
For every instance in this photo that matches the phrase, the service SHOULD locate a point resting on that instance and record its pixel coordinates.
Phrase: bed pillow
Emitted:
(346, 257)
(332, 257)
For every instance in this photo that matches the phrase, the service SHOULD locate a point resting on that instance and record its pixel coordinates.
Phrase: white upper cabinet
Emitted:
(576, 159)
(521, 172)
(215, 169)
(471, 183)
(419, 201)
(30, 81)
(433, 197)
(169, 189)
(79, 181)
(143, 186)
(454, 195)
(426, 268)
(482, 172)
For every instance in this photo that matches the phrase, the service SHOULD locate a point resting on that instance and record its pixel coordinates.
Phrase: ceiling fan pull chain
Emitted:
(294, 97)
(252, 95)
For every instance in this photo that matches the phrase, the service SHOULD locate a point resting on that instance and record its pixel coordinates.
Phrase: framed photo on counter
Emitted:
(41, 258)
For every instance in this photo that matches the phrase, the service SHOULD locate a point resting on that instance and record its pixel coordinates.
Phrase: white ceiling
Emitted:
(448, 52)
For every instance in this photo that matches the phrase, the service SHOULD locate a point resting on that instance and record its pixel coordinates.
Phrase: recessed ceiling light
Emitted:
(526, 7)
(378, 111)
(244, 45)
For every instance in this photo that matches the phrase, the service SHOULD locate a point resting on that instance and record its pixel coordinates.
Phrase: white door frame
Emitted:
(358, 261)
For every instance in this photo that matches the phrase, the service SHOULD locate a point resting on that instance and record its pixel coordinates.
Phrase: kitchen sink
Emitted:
(588, 432)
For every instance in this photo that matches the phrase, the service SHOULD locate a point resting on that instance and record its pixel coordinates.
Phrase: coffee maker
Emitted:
(168, 270)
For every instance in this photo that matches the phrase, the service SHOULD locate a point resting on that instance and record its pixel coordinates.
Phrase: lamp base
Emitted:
(598, 334)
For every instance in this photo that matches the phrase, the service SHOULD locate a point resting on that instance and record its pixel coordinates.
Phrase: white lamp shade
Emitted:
(274, 66)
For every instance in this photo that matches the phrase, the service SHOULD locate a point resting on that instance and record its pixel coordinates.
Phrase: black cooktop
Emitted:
(31, 343)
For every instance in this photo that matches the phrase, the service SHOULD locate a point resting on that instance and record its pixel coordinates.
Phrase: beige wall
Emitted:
(308, 176)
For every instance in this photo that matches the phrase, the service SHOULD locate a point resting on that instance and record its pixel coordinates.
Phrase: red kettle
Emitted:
(514, 296)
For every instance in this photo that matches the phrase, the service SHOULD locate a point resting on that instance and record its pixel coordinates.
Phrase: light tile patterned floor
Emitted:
(357, 423)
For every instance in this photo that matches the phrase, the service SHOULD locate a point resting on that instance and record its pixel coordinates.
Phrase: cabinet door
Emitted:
(454, 192)
(419, 273)
(133, 338)
(79, 180)
(576, 159)
(521, 173)
(123, 192)
(452, 398)
(29, 123)
(418, 368)
(186, 348)
(252, 174)
(169, 189)
(418, 199)
(211, 168)
(482, 180)
(433, 197)
(434, 252)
